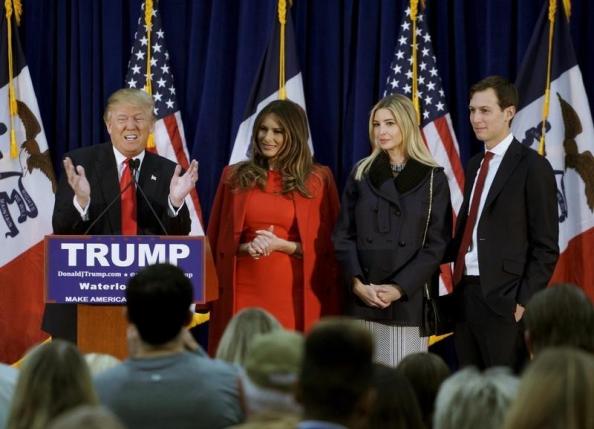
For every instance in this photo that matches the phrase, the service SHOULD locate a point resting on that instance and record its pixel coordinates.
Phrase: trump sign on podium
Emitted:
(96, 269)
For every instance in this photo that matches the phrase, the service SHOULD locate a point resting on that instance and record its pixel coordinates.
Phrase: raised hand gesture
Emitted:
(182, 184)
(77, 180)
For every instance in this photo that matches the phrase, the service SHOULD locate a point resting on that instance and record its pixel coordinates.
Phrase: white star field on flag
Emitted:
(161, 77)
(431, 95)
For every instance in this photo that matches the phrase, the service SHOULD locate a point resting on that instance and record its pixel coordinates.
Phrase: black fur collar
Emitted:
(413, 174)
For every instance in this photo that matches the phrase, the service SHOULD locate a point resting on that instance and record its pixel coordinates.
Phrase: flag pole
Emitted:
(547, 100)
(282, 19)
(12, 104)
(148, 86)
(414, 6)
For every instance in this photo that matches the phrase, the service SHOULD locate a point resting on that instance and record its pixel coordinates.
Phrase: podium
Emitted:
(92, 271)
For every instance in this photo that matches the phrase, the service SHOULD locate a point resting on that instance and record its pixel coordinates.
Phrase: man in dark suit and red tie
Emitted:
(506, 244)
(88, 199)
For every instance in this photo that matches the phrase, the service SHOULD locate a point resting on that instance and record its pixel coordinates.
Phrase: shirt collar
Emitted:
(501, 147)
(120, 158)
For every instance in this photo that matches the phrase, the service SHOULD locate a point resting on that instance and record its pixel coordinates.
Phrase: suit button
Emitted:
(397, 212)
(366, 270)
(369, 240)
(402, 243)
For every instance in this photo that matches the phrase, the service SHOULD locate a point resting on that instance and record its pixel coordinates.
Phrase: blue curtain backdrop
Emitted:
(78, 51)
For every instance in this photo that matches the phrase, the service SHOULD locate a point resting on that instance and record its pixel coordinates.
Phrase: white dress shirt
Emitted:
(471, 258)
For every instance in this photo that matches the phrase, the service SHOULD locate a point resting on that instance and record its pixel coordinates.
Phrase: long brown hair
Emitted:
(294, 161)
(54, 378)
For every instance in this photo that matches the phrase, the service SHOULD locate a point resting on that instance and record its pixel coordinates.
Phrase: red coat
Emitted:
(316, 218)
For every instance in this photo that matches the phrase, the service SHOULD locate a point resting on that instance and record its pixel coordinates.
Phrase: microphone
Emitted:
(134, 164)
(116, 198)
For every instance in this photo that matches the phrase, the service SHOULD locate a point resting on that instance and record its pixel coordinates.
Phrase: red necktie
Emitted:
(128, 212)
(471, 220)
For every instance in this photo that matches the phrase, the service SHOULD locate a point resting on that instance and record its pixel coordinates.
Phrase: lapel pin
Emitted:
(153, 177)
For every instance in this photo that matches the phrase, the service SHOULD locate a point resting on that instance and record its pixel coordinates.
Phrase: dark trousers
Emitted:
(482, 337)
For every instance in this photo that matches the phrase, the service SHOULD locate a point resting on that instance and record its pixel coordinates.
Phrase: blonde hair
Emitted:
(555, 392)
(135, 97)
(240, 332)
(54, 378)
(405, 116)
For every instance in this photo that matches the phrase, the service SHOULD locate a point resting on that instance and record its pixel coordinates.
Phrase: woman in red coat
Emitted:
(270, 227)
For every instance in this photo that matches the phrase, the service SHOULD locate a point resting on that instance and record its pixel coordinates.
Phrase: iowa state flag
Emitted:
(569, 137)
(27, 187)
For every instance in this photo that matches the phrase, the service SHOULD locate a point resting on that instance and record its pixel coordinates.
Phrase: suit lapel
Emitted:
(107, 172)
(150, 176)
(508, 164)
(473, 166)
(387, 190)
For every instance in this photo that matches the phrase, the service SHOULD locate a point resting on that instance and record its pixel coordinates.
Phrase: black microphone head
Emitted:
(133, 164)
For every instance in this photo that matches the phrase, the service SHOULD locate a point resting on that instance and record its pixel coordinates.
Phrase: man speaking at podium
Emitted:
(119, 188)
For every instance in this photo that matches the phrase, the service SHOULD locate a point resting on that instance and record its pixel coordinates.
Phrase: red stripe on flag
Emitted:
(21, 304)
(443, 129)
(575, 263)
(178, 148)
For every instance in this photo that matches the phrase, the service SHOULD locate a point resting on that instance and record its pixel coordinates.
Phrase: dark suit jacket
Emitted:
(101, 171)
(518, 229)
(380, 230)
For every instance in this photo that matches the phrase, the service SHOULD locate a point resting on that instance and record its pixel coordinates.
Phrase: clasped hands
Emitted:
(264, 243)
(377, 296)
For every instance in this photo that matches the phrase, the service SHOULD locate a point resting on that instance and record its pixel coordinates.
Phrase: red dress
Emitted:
(298, 291)
(273, 282)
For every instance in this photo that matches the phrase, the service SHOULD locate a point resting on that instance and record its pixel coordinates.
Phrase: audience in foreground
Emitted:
(8, 378)
(395, 404)
(53, 379)
(425, 372)
(555, 392)
(241, 330)
(335, 381)
(87, 417)
(163, 385)
(470, 399)
(560, 315)
(271, 370)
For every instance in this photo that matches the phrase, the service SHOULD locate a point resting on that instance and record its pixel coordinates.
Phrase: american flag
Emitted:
(436, 125)
(170, 141)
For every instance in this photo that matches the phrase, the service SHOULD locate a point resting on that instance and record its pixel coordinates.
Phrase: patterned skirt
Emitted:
(392, 342)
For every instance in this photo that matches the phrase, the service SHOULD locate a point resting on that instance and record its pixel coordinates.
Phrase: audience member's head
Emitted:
(241, 330)
(469, 399)
(158, 300)
(53, 379)
(561, 315)
(271, 369)
(425, 372)
(555, 392)
(394, 404)
(99, 362)
(8, 379)
(337, 371)
(87, 417)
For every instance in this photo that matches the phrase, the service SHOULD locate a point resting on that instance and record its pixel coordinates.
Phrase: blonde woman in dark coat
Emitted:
(379, 235)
